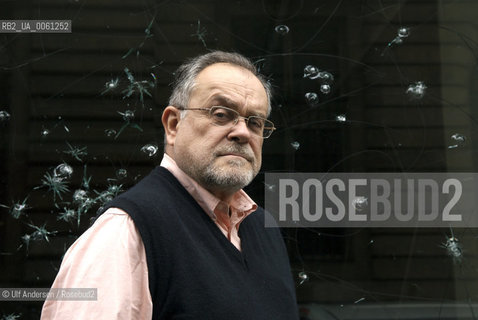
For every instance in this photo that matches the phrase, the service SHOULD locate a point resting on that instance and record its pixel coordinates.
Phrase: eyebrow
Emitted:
(222, 100)
(226, 102)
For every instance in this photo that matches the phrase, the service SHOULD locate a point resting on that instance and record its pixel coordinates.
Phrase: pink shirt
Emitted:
(110, 256)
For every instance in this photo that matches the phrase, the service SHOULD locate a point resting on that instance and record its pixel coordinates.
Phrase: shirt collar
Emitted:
(240, 201)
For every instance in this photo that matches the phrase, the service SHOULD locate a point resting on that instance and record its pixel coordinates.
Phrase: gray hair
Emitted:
(186, 74)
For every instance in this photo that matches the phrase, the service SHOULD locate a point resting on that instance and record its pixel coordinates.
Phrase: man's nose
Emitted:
(240, 131)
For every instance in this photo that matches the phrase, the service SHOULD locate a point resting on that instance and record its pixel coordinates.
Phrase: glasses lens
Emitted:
(268, 128)
(222, 116)
(256, 124)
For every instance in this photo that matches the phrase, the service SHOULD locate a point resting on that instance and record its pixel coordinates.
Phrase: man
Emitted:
(187, 242)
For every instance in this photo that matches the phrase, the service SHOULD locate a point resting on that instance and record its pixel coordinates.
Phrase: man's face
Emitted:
(221, 159)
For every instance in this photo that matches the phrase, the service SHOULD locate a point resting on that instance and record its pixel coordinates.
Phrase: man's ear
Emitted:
(170, 120)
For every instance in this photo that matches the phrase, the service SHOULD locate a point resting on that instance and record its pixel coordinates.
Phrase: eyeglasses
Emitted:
(223, 116)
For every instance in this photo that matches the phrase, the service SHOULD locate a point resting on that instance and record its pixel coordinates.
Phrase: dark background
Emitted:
(54, 87)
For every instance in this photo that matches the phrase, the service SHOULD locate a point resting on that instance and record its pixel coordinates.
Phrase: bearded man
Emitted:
(187, 242)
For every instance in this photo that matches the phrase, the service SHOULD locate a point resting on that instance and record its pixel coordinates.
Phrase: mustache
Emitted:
(236, 149)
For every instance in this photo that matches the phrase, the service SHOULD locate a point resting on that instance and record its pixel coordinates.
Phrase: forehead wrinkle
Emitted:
(237, 94)
(222, 100)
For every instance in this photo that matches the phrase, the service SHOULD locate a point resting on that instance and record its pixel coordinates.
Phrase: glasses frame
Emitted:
(236, 120)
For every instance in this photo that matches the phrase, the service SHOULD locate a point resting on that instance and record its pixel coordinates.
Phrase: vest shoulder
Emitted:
(157, 182)
(157, 190)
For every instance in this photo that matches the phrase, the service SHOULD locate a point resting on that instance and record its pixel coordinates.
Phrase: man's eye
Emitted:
(256, 122)
(219, 114)
(222, 114)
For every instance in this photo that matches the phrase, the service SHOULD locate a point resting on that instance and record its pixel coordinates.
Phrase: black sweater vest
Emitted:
(194, 271)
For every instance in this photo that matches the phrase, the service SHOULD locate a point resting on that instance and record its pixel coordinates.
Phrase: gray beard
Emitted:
(228, 178)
